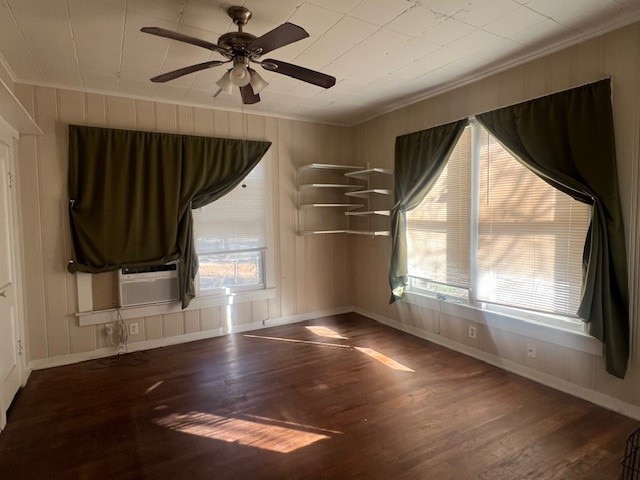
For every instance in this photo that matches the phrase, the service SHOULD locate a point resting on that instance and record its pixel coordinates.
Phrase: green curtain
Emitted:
(131, 194)
(420, 157)
(567, 140)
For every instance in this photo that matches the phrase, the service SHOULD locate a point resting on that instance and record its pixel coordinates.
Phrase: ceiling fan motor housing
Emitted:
(236, 41)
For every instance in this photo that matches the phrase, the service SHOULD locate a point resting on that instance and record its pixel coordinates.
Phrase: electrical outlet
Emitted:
(531, 350)
(472, 331)
(133, 329)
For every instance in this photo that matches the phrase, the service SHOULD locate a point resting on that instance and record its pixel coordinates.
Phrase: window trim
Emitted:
(527, 327)
(268, 257)
(489, 309)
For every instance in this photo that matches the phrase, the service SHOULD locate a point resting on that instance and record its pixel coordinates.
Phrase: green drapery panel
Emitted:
(420, 158)
(131, 195)
(567, 140)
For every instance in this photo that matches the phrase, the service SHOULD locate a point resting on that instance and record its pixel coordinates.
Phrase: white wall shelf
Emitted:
(373, 220)
(307, 186)
(366, 193)
(384, 213)
(327, 166)
(370, 233)
(319, 232)
(321, 199)
(330, 205)
(325, 189)
(369, 172)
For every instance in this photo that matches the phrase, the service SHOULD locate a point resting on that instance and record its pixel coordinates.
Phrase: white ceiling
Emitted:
(384, 53)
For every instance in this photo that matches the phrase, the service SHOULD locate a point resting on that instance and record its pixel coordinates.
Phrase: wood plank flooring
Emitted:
(297, 402)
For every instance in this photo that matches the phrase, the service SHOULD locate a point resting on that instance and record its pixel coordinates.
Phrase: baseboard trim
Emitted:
(26, 373)
(597, 398)
(303, 317)
(72, 358)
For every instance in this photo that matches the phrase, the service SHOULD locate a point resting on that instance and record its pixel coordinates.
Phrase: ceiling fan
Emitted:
(243, 49)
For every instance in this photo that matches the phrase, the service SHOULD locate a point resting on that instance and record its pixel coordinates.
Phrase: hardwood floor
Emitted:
(296, 402)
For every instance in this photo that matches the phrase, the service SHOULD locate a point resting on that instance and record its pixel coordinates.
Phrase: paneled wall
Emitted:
(614, 55)
(312, 271)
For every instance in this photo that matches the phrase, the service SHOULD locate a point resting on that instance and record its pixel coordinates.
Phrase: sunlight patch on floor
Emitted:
(153, 387)
(291, 424)
(291, 340)
(389, 362)
(323, 331)
(265, 436)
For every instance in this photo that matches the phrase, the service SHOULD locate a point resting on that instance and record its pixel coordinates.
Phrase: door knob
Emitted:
(3, 293)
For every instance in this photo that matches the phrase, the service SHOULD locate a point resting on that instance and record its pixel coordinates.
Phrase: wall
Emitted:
(614, 55)
(6, 77)
(312, 271)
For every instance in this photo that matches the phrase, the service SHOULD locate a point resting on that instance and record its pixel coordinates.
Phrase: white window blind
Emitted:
(438, 230)
(230, 235)
(530, 237)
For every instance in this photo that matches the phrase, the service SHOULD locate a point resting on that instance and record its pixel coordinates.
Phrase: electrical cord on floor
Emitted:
(124, 334)
(134, 359)
(123, 358)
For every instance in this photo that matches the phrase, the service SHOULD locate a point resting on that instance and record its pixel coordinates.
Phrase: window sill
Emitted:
(563, 337)
(111, 315)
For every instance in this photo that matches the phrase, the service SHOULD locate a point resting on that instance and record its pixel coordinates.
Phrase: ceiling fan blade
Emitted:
(278, 37)
(248, 97)
(163, 32)
(295, 71)
(165, 77)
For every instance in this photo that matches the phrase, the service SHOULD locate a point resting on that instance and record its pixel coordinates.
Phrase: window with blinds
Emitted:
(502, 237)
(230, 236)
(530, 236)
(438, 229)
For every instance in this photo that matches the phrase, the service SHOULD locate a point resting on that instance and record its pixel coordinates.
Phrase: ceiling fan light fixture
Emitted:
(240, 75)
(225, 84)
(257, 82)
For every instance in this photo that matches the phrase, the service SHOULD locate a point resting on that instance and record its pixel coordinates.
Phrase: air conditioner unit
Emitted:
(148, 285)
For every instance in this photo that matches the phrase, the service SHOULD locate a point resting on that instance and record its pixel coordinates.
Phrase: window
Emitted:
(230, 237)
(493, 234)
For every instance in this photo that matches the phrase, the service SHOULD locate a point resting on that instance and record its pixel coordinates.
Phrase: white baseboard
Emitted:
(188, 337)
(597, 398)
(303, 317)
(137, 346)
(26, 373)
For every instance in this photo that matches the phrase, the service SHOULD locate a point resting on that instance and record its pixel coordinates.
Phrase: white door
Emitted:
(10, 345)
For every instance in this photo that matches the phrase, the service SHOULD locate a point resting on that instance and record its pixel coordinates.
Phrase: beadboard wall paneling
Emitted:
(614, 55)
(310, 272)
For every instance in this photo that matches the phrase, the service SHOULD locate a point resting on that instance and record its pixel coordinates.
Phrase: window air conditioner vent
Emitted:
(148, 285)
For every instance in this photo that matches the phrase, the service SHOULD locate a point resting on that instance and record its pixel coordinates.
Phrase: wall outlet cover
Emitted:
(472, 331)
(531, 350)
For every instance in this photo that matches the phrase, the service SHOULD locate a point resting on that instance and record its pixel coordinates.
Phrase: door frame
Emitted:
(9, 137)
